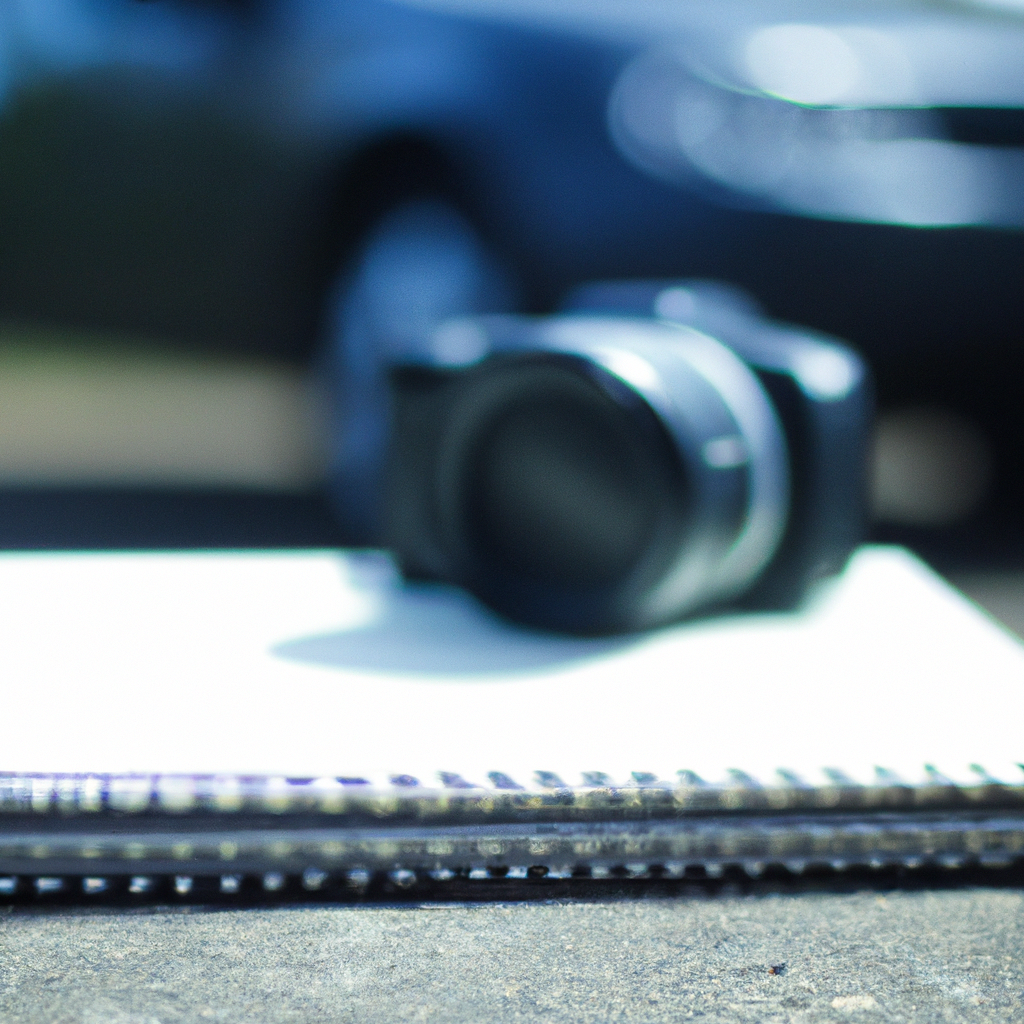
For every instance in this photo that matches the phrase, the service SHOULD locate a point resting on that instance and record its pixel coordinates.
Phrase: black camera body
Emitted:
(597, 472)
(653, 450)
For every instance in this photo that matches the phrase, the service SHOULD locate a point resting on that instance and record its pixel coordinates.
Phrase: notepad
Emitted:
(310, 711)
(327, 664)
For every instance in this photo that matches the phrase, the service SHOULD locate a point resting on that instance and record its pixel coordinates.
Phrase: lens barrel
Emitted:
(601, 474)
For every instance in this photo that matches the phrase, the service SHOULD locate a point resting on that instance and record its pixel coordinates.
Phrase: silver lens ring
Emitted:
(766, 449)
(760, 437)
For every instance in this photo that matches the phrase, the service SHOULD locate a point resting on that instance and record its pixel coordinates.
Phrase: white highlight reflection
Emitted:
(803, 63)
(883, 165)
(827, 374)
(815, 65)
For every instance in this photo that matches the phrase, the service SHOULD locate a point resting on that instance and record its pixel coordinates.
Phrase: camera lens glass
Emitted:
(564, 487)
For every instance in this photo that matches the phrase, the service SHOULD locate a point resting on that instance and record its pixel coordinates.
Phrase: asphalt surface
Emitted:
(943, 955)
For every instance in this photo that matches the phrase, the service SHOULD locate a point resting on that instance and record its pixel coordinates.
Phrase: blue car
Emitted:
(203, 168)
(211, 170)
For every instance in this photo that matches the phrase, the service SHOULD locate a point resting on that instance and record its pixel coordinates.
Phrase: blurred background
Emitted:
(183, 184)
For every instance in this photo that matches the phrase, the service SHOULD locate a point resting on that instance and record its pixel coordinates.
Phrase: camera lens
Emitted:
(561, 497)
(562, 491)
(599, 474)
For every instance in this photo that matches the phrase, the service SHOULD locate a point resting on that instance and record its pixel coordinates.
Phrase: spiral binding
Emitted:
(231, 835)
(449, 794)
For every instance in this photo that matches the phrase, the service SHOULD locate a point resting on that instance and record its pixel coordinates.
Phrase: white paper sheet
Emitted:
(324, 663)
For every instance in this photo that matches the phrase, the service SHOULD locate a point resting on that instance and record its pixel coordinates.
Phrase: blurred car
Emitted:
(202, 170)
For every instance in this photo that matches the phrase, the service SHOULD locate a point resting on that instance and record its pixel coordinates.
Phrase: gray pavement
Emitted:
(946, 955)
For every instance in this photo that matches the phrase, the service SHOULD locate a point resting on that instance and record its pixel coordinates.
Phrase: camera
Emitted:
(649, 451)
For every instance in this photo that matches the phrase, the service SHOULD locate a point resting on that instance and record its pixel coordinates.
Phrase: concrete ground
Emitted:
(952, 955)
